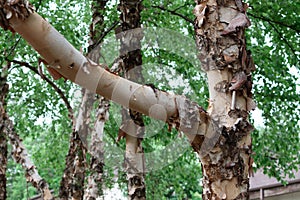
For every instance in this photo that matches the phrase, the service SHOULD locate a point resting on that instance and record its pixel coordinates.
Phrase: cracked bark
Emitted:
(225, 154)
(132, 122)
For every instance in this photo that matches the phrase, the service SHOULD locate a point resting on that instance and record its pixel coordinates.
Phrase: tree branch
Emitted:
(176, 110)
(103, 35)
(21, 156)
(173, 12)
(53, 85)
(293, 27)
(187, 3)
(285, 41)
(39, 5)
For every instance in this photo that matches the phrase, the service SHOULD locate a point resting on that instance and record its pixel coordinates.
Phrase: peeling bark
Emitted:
(3, 161)
(94, 189)
(132, 122)
(95, 181)
(72, 184)
(69, 62)
(73, 178)
(223, 132)
(20, 155)
(225, 154)
(19, 152)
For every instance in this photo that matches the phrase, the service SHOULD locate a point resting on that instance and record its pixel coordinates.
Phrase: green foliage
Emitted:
(274, 41)
(17, 188)
(179, 180)
(40, 116)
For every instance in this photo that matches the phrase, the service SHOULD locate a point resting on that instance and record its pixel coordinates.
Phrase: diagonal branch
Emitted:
(176, 110)
(173, 12)
(184, 5)
(20, 155)
(293, 27)
(103, 35)
(53, 85)
(285, 41)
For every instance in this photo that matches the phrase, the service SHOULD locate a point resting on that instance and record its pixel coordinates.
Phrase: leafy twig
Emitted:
(104, 34)
(173, 12)
(293, 27)
(285, 40)
(55, 87)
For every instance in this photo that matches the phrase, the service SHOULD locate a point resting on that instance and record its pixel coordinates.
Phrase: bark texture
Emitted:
(20, 155)
(132, 122)
(19, 152)
(225, 153)
(3, 161)
(94, 188)
(219, 26)
(95, 180)
(72, 184)
(3, 138)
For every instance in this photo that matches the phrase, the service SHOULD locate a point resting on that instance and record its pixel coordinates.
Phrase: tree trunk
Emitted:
(132, 122)
(3, 138)
(95, 181)
(19, 152)
(94, 187)
(223, 133)
(3, 161)
(225, 153)
(72, 184)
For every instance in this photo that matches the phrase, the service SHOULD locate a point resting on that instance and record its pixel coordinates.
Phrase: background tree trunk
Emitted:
(95, 185)
(95, 180)
(132, 121)
(225, 153)
(72, 183)
(3, 138)
(19, 152)
(3, 161)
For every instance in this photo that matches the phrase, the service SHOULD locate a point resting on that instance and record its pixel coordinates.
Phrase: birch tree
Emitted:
(220, 135)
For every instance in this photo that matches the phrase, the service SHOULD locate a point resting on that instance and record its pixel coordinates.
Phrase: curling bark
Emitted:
(220, 37)
(19, 152)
